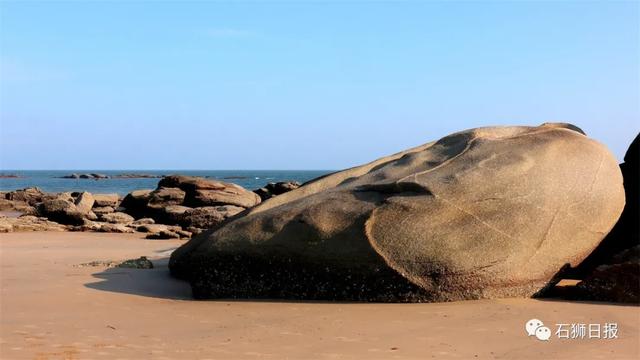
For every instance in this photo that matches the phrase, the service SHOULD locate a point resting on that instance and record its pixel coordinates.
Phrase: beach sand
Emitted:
(53, 309)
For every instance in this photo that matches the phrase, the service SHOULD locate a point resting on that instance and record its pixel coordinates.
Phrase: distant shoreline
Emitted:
(125, 181)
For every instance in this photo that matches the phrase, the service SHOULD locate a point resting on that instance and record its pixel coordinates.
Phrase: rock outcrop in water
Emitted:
(483, 213)
(274, 189)
(103, 176)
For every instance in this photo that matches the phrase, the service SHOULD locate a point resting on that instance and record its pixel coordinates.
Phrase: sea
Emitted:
(52, 181)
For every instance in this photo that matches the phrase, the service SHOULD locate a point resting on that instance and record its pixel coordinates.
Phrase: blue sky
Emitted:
(301, 85)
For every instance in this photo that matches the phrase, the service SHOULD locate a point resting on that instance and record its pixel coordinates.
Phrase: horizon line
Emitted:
(6, 170)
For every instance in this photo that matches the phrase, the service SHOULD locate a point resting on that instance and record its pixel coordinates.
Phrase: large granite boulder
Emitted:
(206, 192)
(483, 213)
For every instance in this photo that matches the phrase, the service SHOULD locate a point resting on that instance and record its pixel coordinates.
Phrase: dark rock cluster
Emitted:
(273, 189)
(612, 271)
(179, 207)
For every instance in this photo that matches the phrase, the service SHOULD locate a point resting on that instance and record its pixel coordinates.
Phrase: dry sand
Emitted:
(53, 309)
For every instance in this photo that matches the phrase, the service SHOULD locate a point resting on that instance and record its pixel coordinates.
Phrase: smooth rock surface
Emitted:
(483, 213)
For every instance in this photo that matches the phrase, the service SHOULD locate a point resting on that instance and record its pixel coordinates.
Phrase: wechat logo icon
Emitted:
(535, 327)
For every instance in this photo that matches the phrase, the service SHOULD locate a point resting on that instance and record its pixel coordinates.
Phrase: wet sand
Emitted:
(50, 308)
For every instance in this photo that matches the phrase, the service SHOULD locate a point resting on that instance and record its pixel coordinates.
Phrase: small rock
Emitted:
(164, 234)
(117, 218)
(139, 263)
(66, 196)
(194, 230)
(84, 202)
(152, 228)
(91, 216)
(144, 221)
(103, 200)
(184, 234)
(274, 189)
(103, 210)
(115, 228)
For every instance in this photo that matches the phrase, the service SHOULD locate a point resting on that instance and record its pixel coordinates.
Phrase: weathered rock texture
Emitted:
(84, 202)
(204, 192)
(28, 223)
(32, 196)
(106, 200)
(62, 211)
(193, 202)
(488, 212)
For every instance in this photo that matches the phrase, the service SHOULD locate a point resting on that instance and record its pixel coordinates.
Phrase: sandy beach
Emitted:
(52, 308)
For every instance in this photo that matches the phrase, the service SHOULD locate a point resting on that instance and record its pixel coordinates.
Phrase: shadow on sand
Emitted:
(159, 283)
(156, 282)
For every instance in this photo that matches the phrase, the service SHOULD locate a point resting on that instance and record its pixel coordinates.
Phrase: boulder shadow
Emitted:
(579, 301)
(156, 282)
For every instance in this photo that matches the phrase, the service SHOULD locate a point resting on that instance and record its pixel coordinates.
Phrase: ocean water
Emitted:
(51, 181)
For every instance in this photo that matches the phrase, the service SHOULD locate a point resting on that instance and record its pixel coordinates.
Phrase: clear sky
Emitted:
(301, 85)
